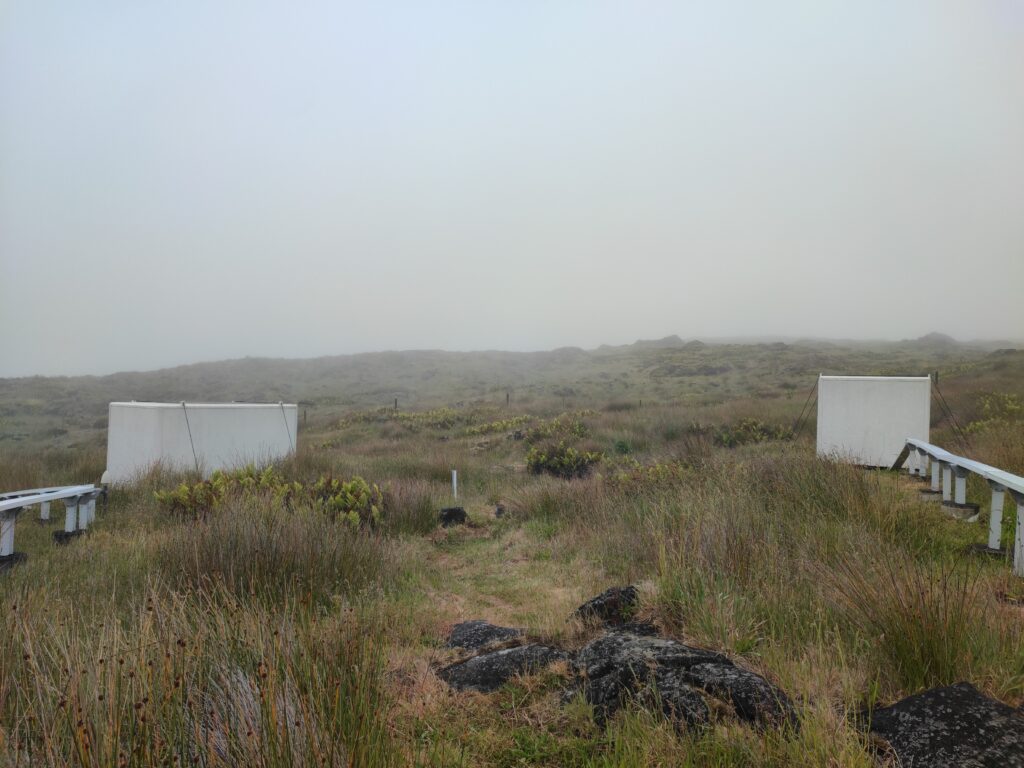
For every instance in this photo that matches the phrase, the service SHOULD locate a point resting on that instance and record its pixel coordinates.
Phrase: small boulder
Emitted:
(478, 634)
(643, 628)
(658, 671)
(452, 516)
(489, 671)
(953, 726)
(755, 699)
(615, 605)
(621, 665)
(679, 702)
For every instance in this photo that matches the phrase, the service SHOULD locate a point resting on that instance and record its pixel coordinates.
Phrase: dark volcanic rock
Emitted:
(653, 670)
(954, 726)
(488, 671)
(645, 628)
(621, 649)
(754, 698)
(477, 634)
(679, 702)
(452, 516)
(613, 606)
(621, 664)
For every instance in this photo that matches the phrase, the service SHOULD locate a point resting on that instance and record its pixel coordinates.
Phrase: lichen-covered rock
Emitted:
(954, 726)
(621, 665)
(679, 701)
(644, 628)
(625, 649)
(754, 699)
(478, 634)
(615, 605)
(489, 671)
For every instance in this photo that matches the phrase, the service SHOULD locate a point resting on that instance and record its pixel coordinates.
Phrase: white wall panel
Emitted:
(224, 436)
(867, 419)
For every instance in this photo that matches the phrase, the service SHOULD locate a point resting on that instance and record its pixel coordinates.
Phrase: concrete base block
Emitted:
(984, 549)
(930, 495)
(968, 511)
(9, 561)
(64, 537)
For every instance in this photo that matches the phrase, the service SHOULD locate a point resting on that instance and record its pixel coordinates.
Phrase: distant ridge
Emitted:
(936, 339)
(668, 342)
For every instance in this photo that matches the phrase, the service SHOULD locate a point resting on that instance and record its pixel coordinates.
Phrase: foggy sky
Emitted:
(185, 181)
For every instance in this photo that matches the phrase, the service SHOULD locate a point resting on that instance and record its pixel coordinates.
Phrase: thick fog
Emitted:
(188, 181)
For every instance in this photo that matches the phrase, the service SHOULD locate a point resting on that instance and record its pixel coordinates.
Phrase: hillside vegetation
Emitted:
(297, 616)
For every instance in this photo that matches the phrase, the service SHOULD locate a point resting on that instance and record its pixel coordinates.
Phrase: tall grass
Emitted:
(927, 624)
(194, 678)
(253, 548)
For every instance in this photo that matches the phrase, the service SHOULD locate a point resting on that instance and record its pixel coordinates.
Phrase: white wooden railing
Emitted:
(79, 510)
(949, 476)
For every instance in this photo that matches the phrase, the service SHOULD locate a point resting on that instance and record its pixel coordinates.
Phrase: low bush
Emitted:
(568, 426)
(501, 425)
(561, 460)
(354, 501)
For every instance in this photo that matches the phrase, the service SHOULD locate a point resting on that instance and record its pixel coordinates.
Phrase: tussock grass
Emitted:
(192, 678)
(928, 624)
(263, 551)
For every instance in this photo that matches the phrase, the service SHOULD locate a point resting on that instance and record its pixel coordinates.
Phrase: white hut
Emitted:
(202, 436)
(867, 419)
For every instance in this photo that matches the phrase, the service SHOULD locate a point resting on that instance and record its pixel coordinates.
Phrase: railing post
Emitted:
(947, 481)
(960, 494)
(44, 511)
(935, 475)
(7, 532)
(1018, 540)
(83, 513)
(995, 520)
(922, 463)
(70, 514)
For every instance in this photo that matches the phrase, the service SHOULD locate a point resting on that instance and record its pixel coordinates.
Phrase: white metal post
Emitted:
(947, 481)
(44, 511)
(913, 462)
(83, 513)
(922, 463)
(935, 476)
(455, 485)
(70, 514)
(995, 520)
(92, 510)
(7, 532)
(1018, 541)
(960, 495)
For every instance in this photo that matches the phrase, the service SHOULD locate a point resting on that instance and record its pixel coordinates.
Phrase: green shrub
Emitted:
(568, 426)
(502, 425)
(353, 501)
(561, 460)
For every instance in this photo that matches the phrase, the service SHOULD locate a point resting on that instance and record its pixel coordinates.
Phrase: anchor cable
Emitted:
(195, 458)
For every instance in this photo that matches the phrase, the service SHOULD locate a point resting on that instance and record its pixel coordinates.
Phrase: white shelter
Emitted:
(203, 436)
(867, 420)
